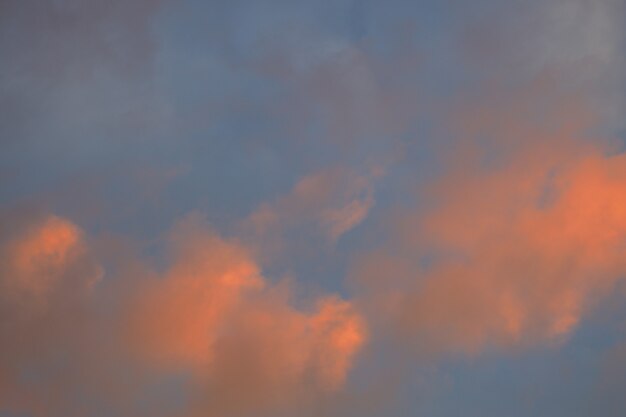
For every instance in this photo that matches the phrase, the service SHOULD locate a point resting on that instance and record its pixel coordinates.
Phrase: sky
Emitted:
(312, 208)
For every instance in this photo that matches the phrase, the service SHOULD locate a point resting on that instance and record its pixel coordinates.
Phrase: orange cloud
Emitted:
(40, 258)
(273, 357)
(241, 342)
(46, 276)
(178, 316)
(341, 334)
(513, 244)
(212, 314)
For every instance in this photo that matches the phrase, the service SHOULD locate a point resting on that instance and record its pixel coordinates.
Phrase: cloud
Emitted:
(212, 314)
(326, 204)
(46, 275)
(518, 238)
(208, 319)
(44, 259)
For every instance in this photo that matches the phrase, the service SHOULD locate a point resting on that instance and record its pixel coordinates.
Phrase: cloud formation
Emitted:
(515, 242)
(46, 275)
(322, 206)
(209, 315)
(213, 302)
